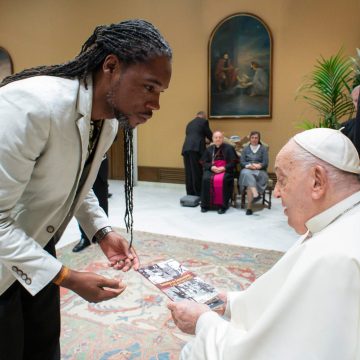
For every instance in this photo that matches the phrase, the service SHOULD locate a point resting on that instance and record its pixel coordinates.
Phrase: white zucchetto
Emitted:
(331, 146)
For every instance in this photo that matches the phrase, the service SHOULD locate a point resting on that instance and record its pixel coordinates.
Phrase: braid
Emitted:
(129, 180)
(133, 41)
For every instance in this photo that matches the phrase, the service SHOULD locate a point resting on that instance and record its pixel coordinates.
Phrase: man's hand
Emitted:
(116, 249)
(217, 170)
(93, 287)
(186, 314)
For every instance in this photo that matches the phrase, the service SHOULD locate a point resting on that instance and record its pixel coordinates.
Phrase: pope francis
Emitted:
(308, 305)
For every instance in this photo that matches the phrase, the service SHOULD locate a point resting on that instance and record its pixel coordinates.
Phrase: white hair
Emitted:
(336, 177)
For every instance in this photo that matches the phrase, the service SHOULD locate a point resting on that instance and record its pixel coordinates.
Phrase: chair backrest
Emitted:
(244, 145)
(241, 144)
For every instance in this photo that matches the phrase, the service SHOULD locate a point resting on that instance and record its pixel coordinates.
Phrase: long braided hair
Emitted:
(132, 41)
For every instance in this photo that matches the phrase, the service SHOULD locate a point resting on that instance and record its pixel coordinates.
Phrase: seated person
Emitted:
(254, 161)
(219, 162)
(307, 305)
(351, 128)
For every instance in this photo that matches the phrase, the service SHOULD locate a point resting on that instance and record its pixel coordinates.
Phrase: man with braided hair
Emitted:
(56, 123)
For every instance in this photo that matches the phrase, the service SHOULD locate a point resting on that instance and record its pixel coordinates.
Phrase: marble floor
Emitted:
(157, 210)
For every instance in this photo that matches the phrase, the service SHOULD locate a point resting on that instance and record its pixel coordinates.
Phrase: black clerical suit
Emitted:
(197, 131)
(352, 129)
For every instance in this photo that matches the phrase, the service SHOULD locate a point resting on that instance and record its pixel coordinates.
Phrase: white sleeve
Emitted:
(315, 315)
(91, 216)
(23, 137)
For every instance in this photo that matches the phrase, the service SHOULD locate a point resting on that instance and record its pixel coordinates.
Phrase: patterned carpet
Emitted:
(137, 324)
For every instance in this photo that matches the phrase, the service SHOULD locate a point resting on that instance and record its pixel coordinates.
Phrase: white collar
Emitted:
(255, 148)
(322, 220)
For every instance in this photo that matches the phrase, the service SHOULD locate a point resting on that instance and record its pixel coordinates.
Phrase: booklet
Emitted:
(179, 283)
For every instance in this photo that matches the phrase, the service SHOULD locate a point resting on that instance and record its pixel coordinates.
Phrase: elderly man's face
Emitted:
(218, 138)
(294, 188)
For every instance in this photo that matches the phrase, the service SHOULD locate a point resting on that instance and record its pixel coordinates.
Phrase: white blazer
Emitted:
(44, 135)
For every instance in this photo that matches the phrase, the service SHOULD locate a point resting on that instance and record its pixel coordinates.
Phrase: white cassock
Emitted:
(307, 307)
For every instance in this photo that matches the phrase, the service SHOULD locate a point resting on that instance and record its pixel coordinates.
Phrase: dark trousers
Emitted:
(30, 325)
(193, 172)
(101, 189)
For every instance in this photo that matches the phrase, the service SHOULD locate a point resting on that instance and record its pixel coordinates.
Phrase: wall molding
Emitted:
(161, 174)
(169, 175)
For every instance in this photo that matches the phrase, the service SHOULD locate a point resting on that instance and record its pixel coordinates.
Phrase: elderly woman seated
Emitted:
(254, 162)
(219, 162)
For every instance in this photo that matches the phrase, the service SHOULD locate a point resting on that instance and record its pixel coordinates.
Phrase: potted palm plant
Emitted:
(327, 90)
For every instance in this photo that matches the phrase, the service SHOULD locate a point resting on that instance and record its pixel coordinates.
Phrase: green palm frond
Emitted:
(327, 90)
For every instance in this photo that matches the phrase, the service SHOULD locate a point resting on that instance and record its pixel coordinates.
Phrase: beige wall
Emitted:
(46, 32)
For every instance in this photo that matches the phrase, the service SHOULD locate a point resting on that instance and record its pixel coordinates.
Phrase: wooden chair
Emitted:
(266, 196)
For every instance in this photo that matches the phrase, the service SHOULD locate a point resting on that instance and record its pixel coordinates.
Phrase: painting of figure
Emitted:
(5, 64)
(240, 53)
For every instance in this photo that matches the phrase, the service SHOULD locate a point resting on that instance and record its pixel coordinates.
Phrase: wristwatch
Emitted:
(100, 234)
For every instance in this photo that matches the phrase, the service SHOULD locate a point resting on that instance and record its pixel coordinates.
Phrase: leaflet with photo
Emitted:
(179, 283)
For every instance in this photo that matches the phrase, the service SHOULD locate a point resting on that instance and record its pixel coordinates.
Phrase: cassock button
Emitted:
(24, 277)
(50, 229)
(28, 281)
(14, 268)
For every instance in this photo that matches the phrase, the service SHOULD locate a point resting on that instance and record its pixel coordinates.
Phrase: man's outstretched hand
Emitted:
(116, 249)
(93, 287)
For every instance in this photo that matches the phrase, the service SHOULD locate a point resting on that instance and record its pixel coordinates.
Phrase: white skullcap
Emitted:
(331, 146)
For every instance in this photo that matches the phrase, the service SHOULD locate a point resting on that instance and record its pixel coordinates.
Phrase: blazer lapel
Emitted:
(107, 137)
(108, 132)
(84, 105)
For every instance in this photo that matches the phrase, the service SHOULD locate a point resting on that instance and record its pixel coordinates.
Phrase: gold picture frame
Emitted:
(240, 68)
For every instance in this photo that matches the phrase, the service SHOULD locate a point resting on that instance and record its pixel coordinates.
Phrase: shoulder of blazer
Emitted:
(46, 94)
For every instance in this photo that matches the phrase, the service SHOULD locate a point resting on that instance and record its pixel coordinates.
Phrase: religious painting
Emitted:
(240, 53)
(6, 66)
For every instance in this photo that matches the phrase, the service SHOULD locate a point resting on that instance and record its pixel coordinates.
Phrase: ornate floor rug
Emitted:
(137, 324)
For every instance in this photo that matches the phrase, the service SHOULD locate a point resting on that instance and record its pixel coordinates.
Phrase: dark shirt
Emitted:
(352, 129)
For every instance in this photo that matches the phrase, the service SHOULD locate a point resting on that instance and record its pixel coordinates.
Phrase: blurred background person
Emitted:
(219, 162)
(254, 161)
(197, 131)
(352, 127)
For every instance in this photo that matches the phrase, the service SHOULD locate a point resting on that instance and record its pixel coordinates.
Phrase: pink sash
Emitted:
(218, 181)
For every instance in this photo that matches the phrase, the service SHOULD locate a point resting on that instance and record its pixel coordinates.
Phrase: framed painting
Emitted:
(240, 56)
(6, 65)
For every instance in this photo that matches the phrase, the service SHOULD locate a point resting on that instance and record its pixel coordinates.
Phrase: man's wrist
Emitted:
(100, 234)
(61, 276)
